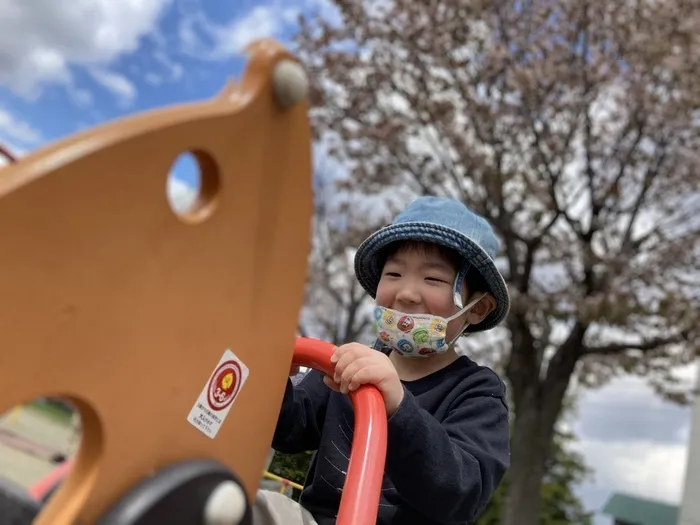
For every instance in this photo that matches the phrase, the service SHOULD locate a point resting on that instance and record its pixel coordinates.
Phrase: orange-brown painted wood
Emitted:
(111, 300)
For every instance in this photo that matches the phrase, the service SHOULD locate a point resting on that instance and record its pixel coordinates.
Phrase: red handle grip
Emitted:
(359, 504)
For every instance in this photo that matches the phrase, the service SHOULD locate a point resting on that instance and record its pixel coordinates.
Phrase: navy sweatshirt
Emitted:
(448, 445)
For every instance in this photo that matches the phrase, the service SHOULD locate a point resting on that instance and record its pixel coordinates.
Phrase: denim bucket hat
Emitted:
(449, 223)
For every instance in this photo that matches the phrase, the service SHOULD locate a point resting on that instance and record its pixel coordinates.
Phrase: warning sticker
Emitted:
(217, 396)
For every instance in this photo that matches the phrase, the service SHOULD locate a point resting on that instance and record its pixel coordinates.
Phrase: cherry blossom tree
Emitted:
(573, 126)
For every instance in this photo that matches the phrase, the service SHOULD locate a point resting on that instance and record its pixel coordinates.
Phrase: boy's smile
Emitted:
(418, 281)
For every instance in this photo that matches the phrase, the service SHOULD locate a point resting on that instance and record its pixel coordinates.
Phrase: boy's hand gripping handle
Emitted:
(359, 503)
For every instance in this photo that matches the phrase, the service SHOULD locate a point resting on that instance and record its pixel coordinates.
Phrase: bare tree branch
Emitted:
(570, 126)
(644, 346)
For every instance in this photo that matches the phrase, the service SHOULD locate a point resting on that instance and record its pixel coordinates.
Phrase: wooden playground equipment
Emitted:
(172, 334)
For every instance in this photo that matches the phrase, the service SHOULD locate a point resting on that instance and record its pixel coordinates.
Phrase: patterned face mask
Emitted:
(415, 335)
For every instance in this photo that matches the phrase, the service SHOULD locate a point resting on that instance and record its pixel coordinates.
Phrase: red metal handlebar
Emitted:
(359, 504)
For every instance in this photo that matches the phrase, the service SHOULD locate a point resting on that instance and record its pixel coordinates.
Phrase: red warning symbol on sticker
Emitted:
(224, 385)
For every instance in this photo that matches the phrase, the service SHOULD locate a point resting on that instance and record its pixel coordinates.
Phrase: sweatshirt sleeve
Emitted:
(301, 416)
(449, 470)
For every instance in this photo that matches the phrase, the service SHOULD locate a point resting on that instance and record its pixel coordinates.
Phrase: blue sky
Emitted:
(91, 61)
(65, 66)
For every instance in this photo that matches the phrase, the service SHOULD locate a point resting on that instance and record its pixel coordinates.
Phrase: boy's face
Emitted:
(420, 281)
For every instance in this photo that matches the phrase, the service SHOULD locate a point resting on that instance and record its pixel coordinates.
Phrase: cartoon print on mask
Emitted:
(438, 327)
(427, 330)
(405, 346)
(405, 324)
(389, 319)
(421, 336)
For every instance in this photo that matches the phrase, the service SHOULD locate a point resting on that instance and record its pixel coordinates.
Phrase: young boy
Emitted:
(433, 278)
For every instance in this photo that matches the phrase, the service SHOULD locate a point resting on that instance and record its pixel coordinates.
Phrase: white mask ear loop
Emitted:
(459, 334)
(465, 309)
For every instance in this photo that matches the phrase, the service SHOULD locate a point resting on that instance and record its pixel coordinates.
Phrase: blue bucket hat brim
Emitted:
(368, 266)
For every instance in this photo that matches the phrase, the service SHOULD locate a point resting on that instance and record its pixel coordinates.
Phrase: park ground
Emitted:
(30, 438)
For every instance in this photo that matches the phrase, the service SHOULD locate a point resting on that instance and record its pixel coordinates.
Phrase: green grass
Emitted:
(56, 413)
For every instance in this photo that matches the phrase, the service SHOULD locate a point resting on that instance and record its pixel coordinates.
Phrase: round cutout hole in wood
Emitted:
(193, 186)
(39, 441)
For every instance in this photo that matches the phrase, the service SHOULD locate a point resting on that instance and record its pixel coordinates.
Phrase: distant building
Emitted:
(631, 510)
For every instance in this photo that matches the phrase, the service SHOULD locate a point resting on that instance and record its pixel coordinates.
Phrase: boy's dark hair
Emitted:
(474, 281)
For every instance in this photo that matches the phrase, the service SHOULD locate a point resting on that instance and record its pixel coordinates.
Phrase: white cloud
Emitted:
(153, 78)
(118, 84)
(81, 97)
(261, 21)
(231, 38)
(633, 441)
(40, 40)
(174, 69)
(208, 40)
(18, 130)
(181, 196)
(642, 468)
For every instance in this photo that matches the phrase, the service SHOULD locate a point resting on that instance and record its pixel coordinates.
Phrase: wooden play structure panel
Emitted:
(110, 299)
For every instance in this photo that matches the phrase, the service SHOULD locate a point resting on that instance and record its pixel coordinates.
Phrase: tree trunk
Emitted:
(528, 454)
(538, 404)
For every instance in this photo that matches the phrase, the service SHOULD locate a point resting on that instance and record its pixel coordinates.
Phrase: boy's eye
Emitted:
(435, 279)
(393, 274)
